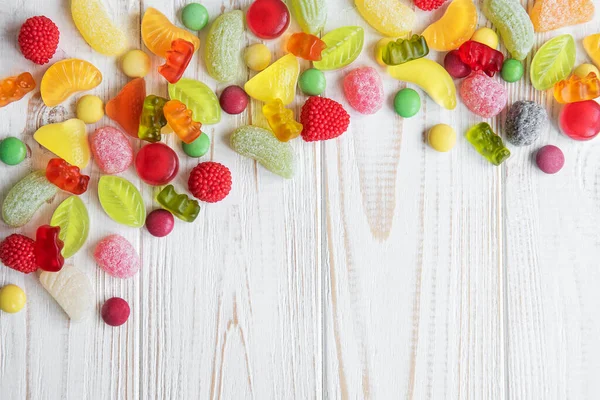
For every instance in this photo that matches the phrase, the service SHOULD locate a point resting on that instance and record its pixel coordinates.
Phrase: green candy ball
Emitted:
(512, 70)
(312, 82)
(194, 16)
(12, 151)
(198, 147)
(407, 103)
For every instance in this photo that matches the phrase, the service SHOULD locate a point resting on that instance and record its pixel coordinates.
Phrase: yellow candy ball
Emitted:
(584, 70)
(442, 137)
(90, 109)
(135, 64)
(12, 299)
(257, 57)
(381, 44)
(486, 36)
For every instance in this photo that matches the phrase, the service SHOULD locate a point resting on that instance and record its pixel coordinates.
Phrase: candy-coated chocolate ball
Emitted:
(486, 36)
(160, 223)
(550, 159)
(455, 66)
(581, 120)
(90, 109)
(194, 16)
(233, 100)
(12, 299)
(584, 70)
(512, 70)
(198, 147)
(407, 103)
(312, 82)
(257, 57)
(115, 311)
(12, 151)
(135, 64)
(379, 47)
(442, 138)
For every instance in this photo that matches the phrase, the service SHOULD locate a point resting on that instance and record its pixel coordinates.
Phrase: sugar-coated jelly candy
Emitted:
(72, 290)
(550, 159)
(115, 311)
(389, 17)
(126, 108)
(68, 77)
(591, 44)
(121, 201)
(97, 27)
(135, 64)
(15, 88)
(74, 222)
(222, 48)
(90, 109)
(268, 19)
(310, 14)
(257, 57)
(513, 24)
(12, 151)
(157, 164)
(111, 149)
(277, 81)
(160, 223)
(364, 90)
(158, 33)
(580, 121)
(577, 89)
(12, 299)
(547, 15)
(455, 65)
(456, 26)
(199, 98)
(482, 95)
(343, 47)
(487, 143)
(180, 205)
(116, 256)
(553, 62)
(525, 123)
(48, 247)
(68, 140)
(26, 197)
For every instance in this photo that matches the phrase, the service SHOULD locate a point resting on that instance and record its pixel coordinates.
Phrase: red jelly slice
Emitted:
(157, 164)
(581, 121)
(268, 19)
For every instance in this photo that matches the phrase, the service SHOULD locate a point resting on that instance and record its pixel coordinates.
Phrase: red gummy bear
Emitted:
(481, 57)
(178, 59)
(126, 108)
(66, 177)
(48, 248)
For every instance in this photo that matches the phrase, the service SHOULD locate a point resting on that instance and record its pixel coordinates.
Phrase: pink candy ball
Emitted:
(483, 95)
(233, 100)
(364, 90)
(111, 150)
(550, 159)
(160, 223)
(455, 66)
(115, 311)
(115, 255)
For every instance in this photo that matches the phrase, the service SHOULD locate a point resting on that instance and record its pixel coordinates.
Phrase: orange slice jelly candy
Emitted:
(126, 108)
(68, 77)
(158, 33)
(547, 15)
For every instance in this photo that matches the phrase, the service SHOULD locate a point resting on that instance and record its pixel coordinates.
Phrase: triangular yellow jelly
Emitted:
(591, 44)
(277, 81)
(68, 140)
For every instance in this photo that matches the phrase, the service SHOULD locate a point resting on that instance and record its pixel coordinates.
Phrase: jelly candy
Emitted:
(66, 177)
(68, 77)
(380, 47)
(68, 140)
(157, 164)
(482, 95)
(178, 59)
(553, 62)
(72, 290)
(38, 39)
(306, 46)
(179, 205)
(550, 159)
(199, 98)
(158, 33)
(581, 120)
(455, 66)
(584, 70)
(111, 149)
(548, 15)
(90, 109)
(180, 120)
(389, 17)
(135, 64)
(48, 247)
(126, 108)
(260, 145)
(591, 44)
(233, 100)
(257, 57)
(486, 36)
(152, 119)
(429, 5)
(364, 90)
(117, 257)
(456, 26)
(268, 19)
(480, 57)
(277, 81)
(15, 88)
(97, 27)
(281, 121)
(310, 14)
(12, 151)
(487, 143)
(577, 89)
(404, 50)
(513, 24)
(121, 201)
(343, 46)
(431, 77)
(221, 53)
(26, 197)
(12, 299)
(72, 218)
(525, 122)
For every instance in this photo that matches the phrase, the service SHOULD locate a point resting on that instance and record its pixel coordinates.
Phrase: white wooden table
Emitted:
(383, 270)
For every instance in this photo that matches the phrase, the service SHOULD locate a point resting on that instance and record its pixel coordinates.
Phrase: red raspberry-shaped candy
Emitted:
(429, 5)
(323, 119)
(210, 182)
(38, 39)
(17, 252)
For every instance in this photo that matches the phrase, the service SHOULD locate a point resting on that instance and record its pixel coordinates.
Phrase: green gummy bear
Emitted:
(513, 24)
(179, 205)
(487, 143)
(404, 50)
(152, 119)
(222, 51)
(26, 197)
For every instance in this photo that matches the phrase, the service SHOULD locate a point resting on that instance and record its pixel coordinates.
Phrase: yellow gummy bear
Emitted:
(158, 33)
(68, 140)
(277, 81)
(389, 17)
(456, 26)
(97, 28)
(591, 44)
(67, 77)
(281, 120)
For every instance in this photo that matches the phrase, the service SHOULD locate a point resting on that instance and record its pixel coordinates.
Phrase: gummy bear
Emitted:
(152, 119)
(66, 177)
(577, 89)
(72, 290)
(68, 140)
(310, 14)
(389, 17)
(306, 46)
(68, 77)
(179, 118)
(179, 205)
(281, 121)
(268, 19)
(158, 33)
(178, 59)
(48, 248)
(480, 57)
(221, 52)
(404, 50)
(456, 26)
(97, 28)
(15, 88)
(487, 143)
(126, 108)
(547, 15)
(277, 81)
(513, 24)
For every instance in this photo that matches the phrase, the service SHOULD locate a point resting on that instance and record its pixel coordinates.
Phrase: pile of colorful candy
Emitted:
(472, 55)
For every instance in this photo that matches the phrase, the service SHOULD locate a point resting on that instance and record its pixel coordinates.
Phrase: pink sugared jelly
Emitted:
(268, 19)
(111, 149)
(157, 164)
(581, 121)
(364, 90)
(483, 95)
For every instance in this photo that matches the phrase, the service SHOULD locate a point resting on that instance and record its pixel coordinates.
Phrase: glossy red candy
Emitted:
(268, 19)
(481, 57)
(157, 164)
(581, 121)
(67, 177)
(177, 61)
(48, 248)
(454, 65)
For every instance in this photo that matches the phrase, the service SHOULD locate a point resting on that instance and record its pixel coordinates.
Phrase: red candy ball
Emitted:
(581, 121)
(115, 311)
(233, 100)
(454, 65)
(550, 159)
(268, 19)
(160, 223)
(157, 164)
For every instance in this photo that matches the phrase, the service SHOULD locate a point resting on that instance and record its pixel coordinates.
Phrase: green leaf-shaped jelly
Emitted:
(197, 97)
(26, 197)
(553, 62)
(343, 46)
(310, 14)
(222, 48)
(72, 217)
(121, 201)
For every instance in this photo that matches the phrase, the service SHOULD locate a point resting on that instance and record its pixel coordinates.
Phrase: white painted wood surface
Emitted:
(383, 270)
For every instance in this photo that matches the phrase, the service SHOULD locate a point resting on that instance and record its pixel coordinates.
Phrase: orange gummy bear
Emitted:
(126, 108)
(15, 87)
(305, 45)
(548, 15)
(179, 118)
(577, 89)
(177, 61)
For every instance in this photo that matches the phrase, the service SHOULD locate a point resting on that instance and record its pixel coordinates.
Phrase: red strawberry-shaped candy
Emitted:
(323, 119)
